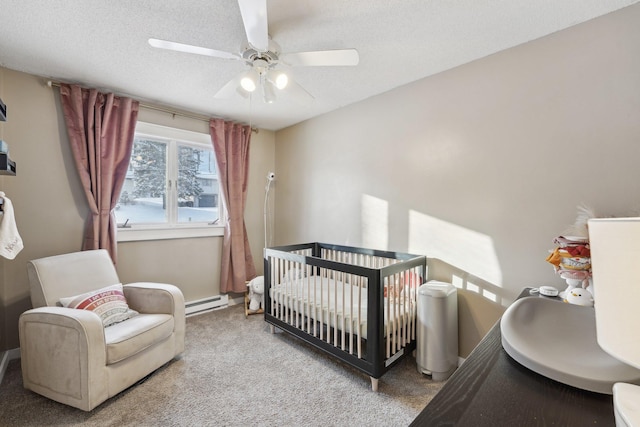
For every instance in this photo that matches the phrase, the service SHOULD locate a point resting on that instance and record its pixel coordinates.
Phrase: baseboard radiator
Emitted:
(206, 304)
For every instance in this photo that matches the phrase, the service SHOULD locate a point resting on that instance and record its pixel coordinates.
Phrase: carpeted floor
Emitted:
(234, 372)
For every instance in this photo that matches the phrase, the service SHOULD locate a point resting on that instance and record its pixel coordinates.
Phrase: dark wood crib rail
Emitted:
(374, 363)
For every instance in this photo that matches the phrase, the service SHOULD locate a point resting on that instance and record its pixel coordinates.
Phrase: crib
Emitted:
(356, 304)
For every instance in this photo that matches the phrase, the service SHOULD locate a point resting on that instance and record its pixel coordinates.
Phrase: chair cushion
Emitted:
(134, 335)
(109, 303)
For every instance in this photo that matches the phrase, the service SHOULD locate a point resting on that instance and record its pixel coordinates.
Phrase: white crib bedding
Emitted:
(335, 304)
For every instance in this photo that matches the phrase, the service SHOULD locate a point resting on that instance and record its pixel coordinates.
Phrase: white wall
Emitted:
(481, 166)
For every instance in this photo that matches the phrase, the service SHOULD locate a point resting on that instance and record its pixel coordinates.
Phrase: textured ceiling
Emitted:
(103, 44)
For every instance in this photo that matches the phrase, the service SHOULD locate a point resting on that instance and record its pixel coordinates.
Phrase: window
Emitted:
(171, 184)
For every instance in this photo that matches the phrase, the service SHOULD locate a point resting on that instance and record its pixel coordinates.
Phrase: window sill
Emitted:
(137, 234)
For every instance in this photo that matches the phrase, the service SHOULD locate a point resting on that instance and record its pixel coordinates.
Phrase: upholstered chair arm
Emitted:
(62, 351)
(154, 298)
(159, 298)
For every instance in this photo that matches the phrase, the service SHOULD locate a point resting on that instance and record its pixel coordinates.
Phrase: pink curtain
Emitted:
(101, 128)
(231, 145)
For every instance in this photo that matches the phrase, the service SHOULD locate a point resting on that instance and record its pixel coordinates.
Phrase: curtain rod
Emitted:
(167, 110)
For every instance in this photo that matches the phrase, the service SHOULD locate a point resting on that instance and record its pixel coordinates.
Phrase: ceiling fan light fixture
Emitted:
(248, 84)
(281, 81)
(249, 81)
(243, 93)
(278, 78)
(268, 94)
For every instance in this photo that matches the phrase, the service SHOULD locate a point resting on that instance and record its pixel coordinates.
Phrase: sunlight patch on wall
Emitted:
(489, 295)
(375, 222)
(465, 249)
(457, 281)
(473, 287)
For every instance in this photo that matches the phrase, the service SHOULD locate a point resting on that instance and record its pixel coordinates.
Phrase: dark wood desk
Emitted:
(491, 389)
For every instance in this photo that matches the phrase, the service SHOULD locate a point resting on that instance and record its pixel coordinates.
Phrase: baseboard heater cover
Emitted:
(206, 304)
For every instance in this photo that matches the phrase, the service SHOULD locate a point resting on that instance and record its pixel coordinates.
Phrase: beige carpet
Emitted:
(234, 372)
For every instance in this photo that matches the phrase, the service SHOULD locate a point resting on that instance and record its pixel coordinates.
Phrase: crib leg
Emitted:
(374, 384)
(273, 329)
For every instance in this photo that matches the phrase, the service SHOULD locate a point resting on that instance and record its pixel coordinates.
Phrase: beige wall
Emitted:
(50, 206)
(46, 193)
(479, 167)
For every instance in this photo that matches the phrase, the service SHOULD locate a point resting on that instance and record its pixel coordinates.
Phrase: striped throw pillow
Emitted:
(109, 303)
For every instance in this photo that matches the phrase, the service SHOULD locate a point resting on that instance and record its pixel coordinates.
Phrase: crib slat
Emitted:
(361, 284)
(308, 300)
(384, 313)
(287, 291)
(344, 313)
(353, 308)
(392, 314)
(335, 308)
(322, 316)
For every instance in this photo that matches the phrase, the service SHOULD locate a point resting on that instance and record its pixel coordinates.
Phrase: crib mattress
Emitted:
(337, 304)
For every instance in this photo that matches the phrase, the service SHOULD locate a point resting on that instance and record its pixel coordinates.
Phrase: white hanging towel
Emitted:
(10, 240)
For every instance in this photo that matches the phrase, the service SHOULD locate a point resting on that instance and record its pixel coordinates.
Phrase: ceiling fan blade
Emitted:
(321, 58)
(187, 48)
(231, 88)
(254, 16)
(298, 94)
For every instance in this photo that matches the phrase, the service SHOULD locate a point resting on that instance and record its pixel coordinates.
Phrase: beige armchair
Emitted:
(68, 355)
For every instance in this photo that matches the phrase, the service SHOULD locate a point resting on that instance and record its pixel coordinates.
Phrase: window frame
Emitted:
(172, 229)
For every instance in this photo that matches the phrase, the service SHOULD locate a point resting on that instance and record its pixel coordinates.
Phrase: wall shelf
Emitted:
(3, 111)
(7, 166)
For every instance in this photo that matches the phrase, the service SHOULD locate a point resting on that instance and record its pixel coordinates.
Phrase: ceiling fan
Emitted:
(263, 57)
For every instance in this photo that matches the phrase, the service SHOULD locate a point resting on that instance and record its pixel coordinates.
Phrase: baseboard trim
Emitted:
(5, 357)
